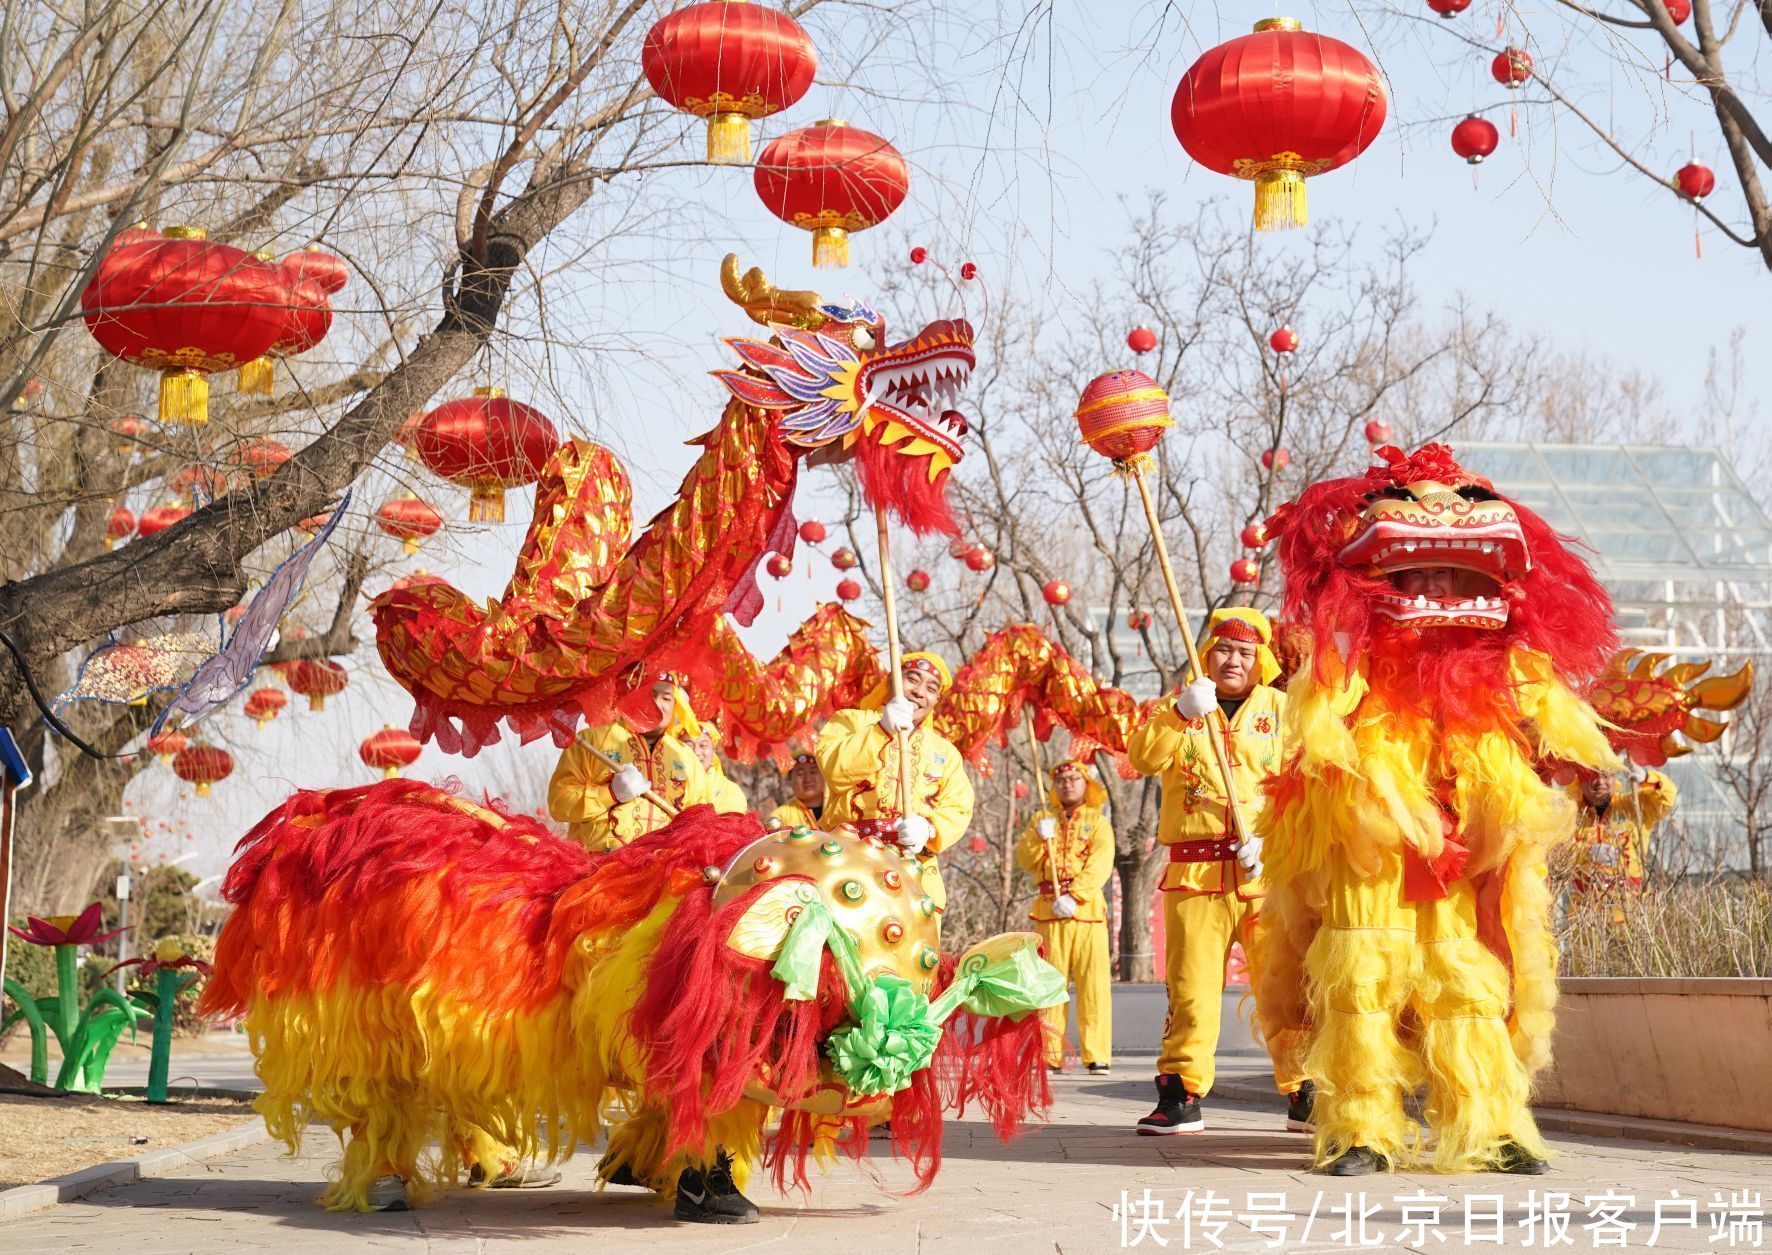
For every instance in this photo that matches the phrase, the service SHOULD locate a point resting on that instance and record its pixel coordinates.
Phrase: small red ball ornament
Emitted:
(917, 581)
(1245, 571)
(1511, 67)
(1678, 11)
(968, 270)
(1474, 139)
(1141, 339)
(1056, 592)
(1138, 620)
(1695, 181)
(919, 255)
(848, 590)
(1019, 789)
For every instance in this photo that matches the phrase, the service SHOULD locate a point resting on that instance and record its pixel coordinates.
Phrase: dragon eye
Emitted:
(863, 339)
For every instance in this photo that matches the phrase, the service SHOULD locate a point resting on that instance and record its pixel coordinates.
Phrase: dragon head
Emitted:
(844, 391)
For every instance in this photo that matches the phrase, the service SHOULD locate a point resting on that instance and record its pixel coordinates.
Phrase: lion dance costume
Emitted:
(1405, 938)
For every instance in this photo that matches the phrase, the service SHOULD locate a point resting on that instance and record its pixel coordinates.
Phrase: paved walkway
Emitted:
(1054, 1190)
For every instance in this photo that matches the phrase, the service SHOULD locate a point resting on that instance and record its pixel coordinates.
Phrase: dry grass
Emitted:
(50, 1137)
(1718, 927)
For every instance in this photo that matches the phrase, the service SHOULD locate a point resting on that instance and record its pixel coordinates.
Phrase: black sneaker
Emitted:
(1358, 1161)
(1516, 1159)
(1177, 1110)
(1299, 1104)
(712, 1197)
(1099, 1069)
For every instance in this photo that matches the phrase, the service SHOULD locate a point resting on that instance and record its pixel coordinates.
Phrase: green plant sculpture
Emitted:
(86, 1036)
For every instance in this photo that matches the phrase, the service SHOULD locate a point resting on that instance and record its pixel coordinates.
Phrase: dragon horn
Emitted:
(1723, 692)
(765, 302)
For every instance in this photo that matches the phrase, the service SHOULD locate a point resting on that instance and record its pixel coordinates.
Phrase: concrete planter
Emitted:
(1697, 1050)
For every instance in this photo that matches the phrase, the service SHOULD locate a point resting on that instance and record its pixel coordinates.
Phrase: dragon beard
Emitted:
(895, 480)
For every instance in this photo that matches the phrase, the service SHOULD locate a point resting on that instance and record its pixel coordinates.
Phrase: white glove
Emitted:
(913, 833)
(898, 715)
(1064, 906)
(628, 784)
(1602, 855)
(1046, 828)
(1249, 855)
(1197, 700)
(1635, 771)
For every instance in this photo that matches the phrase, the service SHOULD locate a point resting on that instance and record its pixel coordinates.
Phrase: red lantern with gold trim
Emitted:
(1694, 181)
(729, 63)
(1121, 415)
(126, 430)
(264, 705)
(408, 520)
(316, 679)
(1254, 535)
(1279, 106)
(188, 307)
(1141, 339)
(831, 179)
(121, 526)
(1511, 68)
(390, 749)
(203, 765)
(487, 443)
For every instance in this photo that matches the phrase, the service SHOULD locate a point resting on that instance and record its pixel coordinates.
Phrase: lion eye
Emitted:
(863, 339)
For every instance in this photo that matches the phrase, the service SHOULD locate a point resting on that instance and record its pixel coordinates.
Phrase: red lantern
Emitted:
(187, 307)
(1138, 620)
(315, 263)
(845, 560)
(1056, 592)
(306, 320)
(316, 679)
(407, 436)
(125, 430)
(978, 845)
(729, 63)
(848, 590)
(1278, 106)
(1511, 67)
(1378, 432)
(1474, 139)
(1285, 340)
(160, 518)
(917, 581)
(416, 579)
(1254, 535)
(408, 520)
(1448, 8)
(1122, 414)
(203, 765)
(831, 179)
(167, 745)
(1275, 459)
(390, 749)
(1678, 11)
(1141, 339)
(958, 549)
(261, 458)
(812, 532)
(263, 705)
(1694, 181)
(981, 559)
(778, 566)
(189, 481)
(1019, 789)
(121, 526)
(487, 443)
(314, 522)
(1245, 571)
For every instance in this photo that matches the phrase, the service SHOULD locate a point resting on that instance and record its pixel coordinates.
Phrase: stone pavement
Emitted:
(1054, 1190)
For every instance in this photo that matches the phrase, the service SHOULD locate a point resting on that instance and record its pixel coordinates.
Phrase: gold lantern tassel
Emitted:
(258, 377)
(1279, 201)
(729, 139)
(409, 545)
(184, 397)
(486, 505)
(390, 772)
(830, 248)
(316, 701)
(202, 788)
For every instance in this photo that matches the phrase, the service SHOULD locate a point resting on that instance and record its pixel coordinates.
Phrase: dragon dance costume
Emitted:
(1405, 938)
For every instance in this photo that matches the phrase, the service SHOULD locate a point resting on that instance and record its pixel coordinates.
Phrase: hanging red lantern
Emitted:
(324, 268)
(729, 63)
(1378, 432)
(917, 581)
(812, 532)
(390, 749)
(1448, 8)
(1245, 571)
(1284, 341)
(314, 522)
(167, 745)
(261, 458)
(487, 443)
(1056, 592)
(981, 559)
(160, 518)
(1141, 339)
(316, 679)
(121, 526)
(1678, 11)
(1019, 790)
(264, 705)
(192, 481)
(1694, 181)
(1275, 459)
(1474, 139)
(978, 845)
(408, 520)
(1138, 620)
(306, 320)
(1254, 535)
(831, 179)
(203, 765)
(778, 566)
(1121, 415)
(1278, 106)
(187, 307)
(958, 549)
(848, 590)
(845, 560)
(126, 430)
(1511, 67)
(407, 436)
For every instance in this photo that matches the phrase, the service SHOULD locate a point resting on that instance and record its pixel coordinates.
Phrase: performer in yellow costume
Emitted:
(806, 808)
(858, 754)
(723, 792)
(1210, 887)
(605, 808)
(1069, 850)
(1612, 833)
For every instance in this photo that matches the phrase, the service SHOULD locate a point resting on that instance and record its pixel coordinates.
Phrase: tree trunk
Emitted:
(1138, 881)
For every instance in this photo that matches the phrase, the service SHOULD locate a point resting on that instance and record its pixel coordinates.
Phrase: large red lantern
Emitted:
(845, 560)
(188, 307)
(160, 518)
(831, 179)
(812, 531)
(1141, 339)
(120, 527)
(1122, 414)
(263, 705)
(1475, 138)
(1056, 592)
(316, 679)
(848, 590)
(408, 520)
(487, 443)
(917, 581)
(390, 749)
(203, 765)
(1278, 106)
(1245, 571)
(1511, 67)
(729, 63)
(306, 321)
(778, 566)
(1694, 181)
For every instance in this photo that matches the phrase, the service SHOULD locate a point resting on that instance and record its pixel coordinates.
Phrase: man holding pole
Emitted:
(1212, 885)
(1069, 849)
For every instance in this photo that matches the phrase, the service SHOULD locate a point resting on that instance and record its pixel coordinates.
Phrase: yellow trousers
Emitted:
(1199, 931)
(1401, 993)
(1079, 951)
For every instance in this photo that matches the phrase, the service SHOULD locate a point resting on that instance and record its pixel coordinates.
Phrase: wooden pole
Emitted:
(615, 764)
(1215, 721)
(894, 657)
(1053, 865)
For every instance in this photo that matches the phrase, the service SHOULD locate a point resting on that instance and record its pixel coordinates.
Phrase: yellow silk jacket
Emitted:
(860, 766)
(724, 793)
(579, 795)
(1193, 808)
(1624, 827)
(794, 813)
(1079, 860)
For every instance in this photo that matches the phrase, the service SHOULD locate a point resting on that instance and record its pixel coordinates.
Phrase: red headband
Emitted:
(1238, 630)
(921, 664)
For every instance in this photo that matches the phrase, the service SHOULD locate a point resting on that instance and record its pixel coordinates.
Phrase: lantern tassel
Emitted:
(1279, 201)
(830, 248)
(258, 377)
(729, 139)
(409, 545)
(184, 397)
(486, 505)
(389, 773)
(316, 701)
(1134, 466)
(202, 788)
